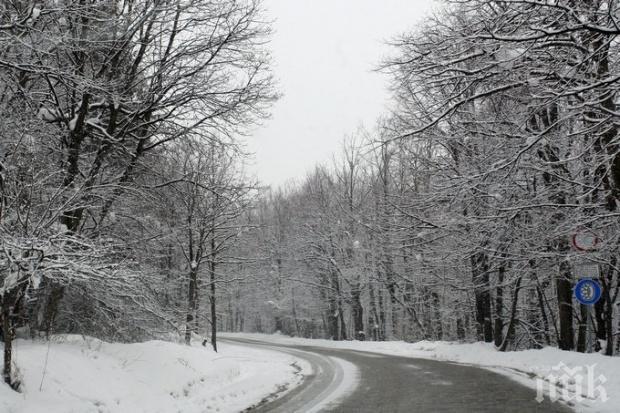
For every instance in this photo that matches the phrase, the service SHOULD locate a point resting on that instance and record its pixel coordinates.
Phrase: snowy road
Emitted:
(332, 379)
(383, 383)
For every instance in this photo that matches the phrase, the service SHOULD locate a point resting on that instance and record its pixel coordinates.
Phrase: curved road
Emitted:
(394, 384)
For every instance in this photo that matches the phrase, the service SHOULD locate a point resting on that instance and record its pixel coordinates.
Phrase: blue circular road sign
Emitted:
(587, 291)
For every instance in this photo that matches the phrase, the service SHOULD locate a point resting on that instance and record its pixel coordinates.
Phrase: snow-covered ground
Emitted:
(86, 375)
(530, 367)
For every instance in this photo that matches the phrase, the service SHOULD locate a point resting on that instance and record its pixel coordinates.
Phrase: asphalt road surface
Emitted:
(391, 384)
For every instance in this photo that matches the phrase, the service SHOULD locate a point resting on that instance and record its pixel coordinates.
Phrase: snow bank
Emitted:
(87, 375)
(523, 366)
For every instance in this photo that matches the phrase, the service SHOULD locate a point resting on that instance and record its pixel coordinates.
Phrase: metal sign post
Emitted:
(587, 291)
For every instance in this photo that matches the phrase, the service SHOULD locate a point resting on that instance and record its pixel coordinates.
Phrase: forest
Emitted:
(127, 211)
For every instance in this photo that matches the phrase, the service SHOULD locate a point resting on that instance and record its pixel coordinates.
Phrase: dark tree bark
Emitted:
(510, 331)
(460, 329)
(7, 336)
(603, 310)
(294, 312)
(332, 319)
(543, 314)
(341, 323)
(376, 320)
(482, 295)
(438, 322)
(357, 312)
(499, 307)
(381, 320)
(192, 296)
(212, 301)
(564, 288)
(9, 308)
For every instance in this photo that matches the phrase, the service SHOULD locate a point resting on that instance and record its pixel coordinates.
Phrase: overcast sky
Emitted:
(324, 53)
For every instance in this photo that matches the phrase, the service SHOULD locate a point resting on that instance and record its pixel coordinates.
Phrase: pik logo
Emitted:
(572, 384)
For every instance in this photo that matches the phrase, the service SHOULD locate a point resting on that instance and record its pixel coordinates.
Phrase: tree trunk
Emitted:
(336, 316)
(438, 320)
(381, 321)
(460, 329)
(543, 314)
(294, 310)
(7, 335)
(357, 312)
(394, 321)
(342, 324)
(49, 308)
(604, 309)
(8, 310)
(565, 307)
(374, 319)
(499, 307)
(191, 305)
(482, 295)
(332, 319)
(510, 332)
(212, 297)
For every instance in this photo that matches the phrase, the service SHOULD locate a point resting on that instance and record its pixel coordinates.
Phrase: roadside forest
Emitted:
(452, 219)
(126, 211)
(121, 171)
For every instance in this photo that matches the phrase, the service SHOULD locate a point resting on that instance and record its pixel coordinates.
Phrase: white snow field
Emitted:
(86, 375)
(528, 367)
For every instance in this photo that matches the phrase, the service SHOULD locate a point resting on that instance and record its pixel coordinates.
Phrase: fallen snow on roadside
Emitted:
(86, 375)
(523, 366)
